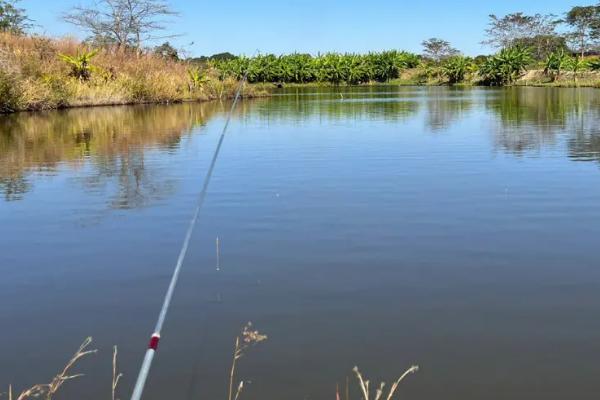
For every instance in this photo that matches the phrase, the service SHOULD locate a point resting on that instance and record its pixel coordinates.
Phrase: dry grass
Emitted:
(115, 374)
(365, 390)
(243, 342)
(48, 390)
(33, 77)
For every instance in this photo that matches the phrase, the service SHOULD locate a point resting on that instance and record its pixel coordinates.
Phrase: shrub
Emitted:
(556, 62)
(9, 92)
(81, 67)
(456, 68)
(505, 67)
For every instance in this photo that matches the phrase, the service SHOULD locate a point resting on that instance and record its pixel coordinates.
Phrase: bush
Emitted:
(557, 62)
(456, 68)
(9, 93)
(505, 67)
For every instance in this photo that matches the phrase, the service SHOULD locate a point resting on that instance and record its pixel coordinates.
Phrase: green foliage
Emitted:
(81, 67)
(197, 78)
(505, 67)
(12, 18)
(332, 68)
(594, 64)
(576, 64)
(536, 32)
(585, 24)
(457, 68)
(556, 63)
(543, 45)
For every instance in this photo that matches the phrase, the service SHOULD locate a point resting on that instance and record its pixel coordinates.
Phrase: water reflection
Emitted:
(112, 141)
(529, 119)
(446, 106)
(338, 104)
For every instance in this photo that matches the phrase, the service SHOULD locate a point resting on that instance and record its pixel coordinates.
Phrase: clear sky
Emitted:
(283, 26)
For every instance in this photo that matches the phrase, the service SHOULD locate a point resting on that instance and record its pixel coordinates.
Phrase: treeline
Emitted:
(544, 42)
(503, 68)
(331, 67)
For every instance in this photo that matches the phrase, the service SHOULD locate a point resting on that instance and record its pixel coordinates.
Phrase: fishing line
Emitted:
(155, 338)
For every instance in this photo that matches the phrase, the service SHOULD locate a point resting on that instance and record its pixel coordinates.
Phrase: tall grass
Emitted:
(48, 390)
(39, 73)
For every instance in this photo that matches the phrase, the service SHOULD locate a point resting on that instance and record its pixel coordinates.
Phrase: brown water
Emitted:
(456, 229)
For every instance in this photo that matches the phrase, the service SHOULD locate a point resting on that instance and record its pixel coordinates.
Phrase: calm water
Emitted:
(455, 229)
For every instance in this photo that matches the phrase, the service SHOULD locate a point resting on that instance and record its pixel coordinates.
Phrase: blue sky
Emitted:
(272, 26)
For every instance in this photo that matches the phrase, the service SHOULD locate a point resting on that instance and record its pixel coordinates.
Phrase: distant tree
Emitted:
(543, 45)
(12, 18)
(585, 25)
(127, 23)
(222, 56)
(537, 32)
(167, 51)
(438, 49)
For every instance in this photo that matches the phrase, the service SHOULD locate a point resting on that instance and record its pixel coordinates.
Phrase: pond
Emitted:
(383, 226)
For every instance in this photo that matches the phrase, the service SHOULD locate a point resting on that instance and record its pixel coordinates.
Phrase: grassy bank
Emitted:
(38, 73)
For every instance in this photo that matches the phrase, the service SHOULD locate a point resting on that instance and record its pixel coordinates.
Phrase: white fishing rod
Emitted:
(155, 338)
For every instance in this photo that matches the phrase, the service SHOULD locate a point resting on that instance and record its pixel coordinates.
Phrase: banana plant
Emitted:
(505, 67)
(81, 66)
(594, 64)
(576, 64)
(556, 63)
(197, 78)
(456, 68)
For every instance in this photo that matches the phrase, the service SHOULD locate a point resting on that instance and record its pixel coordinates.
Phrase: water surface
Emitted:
(383, 226)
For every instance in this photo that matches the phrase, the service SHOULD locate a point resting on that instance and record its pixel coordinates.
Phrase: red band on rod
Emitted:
(154, 342)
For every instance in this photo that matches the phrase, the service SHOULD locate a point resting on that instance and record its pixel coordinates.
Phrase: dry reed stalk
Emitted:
(248, 338)
(116, 376)
(49, 389)
(364, 384)
(239, 390)
(347, 388)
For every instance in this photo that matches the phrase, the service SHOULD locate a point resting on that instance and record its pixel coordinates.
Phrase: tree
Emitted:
(585, 25)
(167, 51)
(535, 31)
(127, 23)
(438, 49)
(12, 18)
(543, 45)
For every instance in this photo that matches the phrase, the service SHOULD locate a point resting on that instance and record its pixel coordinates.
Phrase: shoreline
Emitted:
(130, 104)
(533, 78)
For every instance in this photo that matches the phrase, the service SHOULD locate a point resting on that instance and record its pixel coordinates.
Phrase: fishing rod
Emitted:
(155, 338)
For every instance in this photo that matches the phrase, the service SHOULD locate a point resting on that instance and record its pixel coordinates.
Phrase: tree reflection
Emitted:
(446, 106)
(112, 141)
(532, 118)
(298, 105)
(115, 141)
